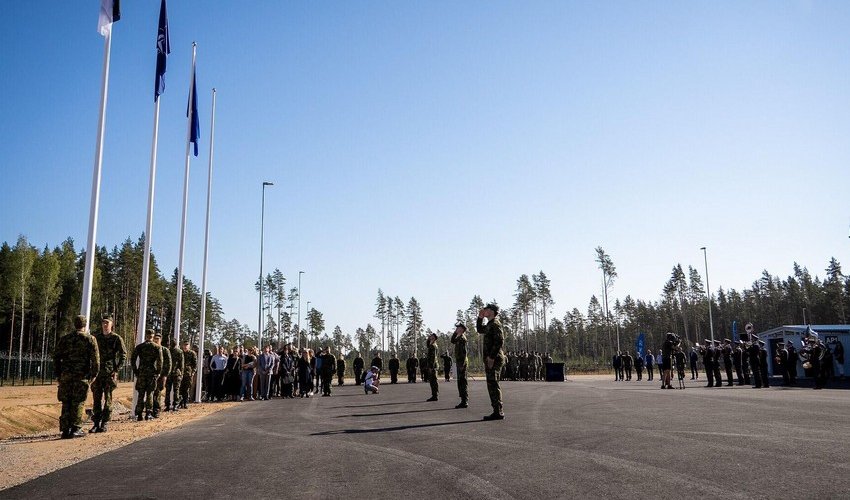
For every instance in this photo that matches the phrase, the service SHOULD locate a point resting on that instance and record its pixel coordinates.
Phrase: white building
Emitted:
(829, 334)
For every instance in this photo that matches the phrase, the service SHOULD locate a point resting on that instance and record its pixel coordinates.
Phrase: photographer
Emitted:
(671, 342)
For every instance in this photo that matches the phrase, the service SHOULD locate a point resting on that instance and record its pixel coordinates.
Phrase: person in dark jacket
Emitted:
(394, 366)
(358, 369)
(412, 365)
(305, 374)
(340, 370)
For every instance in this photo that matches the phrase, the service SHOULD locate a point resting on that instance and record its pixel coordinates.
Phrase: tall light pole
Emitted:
(262, 234)
(298, 325)
(708, 292)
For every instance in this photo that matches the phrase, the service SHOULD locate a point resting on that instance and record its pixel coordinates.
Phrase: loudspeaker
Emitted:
(555, 372)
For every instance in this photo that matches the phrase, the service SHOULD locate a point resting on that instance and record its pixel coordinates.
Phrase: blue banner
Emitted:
(734, 331)
(640, 344)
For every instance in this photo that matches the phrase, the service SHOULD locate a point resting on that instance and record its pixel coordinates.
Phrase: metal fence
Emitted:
(34, 371)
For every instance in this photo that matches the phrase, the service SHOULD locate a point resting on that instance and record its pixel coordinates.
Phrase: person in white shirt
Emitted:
(371, 384)
(217, 365)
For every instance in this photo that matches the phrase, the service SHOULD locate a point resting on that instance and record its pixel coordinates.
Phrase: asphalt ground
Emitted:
(590, 438)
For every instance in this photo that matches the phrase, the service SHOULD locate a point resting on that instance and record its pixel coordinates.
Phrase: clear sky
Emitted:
(441, 149)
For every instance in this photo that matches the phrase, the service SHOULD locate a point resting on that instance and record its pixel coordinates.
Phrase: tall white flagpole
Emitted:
(143, 302)
(200, 378)
(88, 275)
(179, 306)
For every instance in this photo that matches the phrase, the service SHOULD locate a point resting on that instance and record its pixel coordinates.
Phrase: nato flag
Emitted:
(163, 48)
(193, 108)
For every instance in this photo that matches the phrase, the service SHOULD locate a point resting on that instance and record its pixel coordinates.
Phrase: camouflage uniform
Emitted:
(462, 362)
(160, 381)
(431, 358)
(175, 377)
(492, 340)
(190, 367)
(76, 361)
(112, 357)
(147, 364)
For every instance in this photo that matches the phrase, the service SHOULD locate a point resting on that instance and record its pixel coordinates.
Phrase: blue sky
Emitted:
(441, 149)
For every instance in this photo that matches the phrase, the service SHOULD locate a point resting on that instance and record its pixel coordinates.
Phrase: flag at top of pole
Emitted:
(109, 13)
(163, 48)
(195, 130)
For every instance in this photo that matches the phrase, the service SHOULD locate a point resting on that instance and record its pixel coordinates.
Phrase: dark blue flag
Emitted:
(193, 108)
(163, 48)
(640, 343)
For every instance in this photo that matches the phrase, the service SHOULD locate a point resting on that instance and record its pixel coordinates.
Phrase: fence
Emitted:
(35, 372)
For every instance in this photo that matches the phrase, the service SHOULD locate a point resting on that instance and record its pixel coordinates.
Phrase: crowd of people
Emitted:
(743, 362)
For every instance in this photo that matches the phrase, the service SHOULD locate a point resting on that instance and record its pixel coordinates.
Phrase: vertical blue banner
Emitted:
(734, 331)
(639, 344)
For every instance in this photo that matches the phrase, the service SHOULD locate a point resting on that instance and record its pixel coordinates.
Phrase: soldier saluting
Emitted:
(112, 357)
(76, 362)
(492, 341)
(459, 340)
(431, 358)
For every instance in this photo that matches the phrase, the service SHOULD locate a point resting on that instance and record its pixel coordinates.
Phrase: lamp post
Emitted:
(298, 325)
(262, 234)
(708, 292)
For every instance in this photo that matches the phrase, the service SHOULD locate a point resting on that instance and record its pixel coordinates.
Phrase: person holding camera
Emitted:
(492, 339)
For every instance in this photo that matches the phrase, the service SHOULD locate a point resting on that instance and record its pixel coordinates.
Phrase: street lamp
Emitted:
(262, 234)
(298, 325)
(708, 292)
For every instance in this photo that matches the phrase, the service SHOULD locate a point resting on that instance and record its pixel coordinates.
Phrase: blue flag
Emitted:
(734, 331)
(193, 108)
(640, 344)
(163, 48)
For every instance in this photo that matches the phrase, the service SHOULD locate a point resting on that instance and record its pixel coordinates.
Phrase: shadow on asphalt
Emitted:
(378, 404)
(391, 429)
(391, 413)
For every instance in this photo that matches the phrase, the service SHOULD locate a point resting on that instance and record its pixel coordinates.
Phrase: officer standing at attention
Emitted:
(394, 368)
(459, 340)
(492, 341)
(447, 365)
(163, 374)
(190, 367)
(340, 370)
(412, 365)
(781, 364)
(175, 377)
(358, 369)
(112, 357)
(76, 362)
(146, 364)
(727, 360)
(431, 359)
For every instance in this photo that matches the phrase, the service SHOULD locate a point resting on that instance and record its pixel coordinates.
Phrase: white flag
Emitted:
(109, 13)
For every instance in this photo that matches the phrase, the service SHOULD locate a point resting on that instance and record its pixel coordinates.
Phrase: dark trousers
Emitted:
(709, 373)
(327, 381)
(217, 383)
(393, 376)
(435, 386)
(694, 371)
(357, 378)
(739, 372)
(411, 376)
(718, 380)
(756, 373)
(640, 373)
(628, 373)
(728, 373)
(649, 372)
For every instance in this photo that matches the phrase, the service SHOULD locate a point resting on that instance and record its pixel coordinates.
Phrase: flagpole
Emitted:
(178, 307)
(199, 377)
(143, 302)
(88, 275)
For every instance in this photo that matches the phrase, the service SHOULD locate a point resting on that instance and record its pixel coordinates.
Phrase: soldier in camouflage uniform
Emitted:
(163, 374)
(112, 357)
(75, 361)
(175, 378)
(190, 367)
(459, 340)
(431, 362)
(492, 340)
(146, 364)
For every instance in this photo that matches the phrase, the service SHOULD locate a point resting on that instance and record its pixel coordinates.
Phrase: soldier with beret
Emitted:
(76, 361)
(163, 374)
(112, 357)
(431, 363)
(190, 367)
(146, 364)
(459, 340)
(492, 339)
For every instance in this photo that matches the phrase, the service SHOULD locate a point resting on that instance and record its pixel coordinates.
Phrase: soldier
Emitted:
(163, 374)
(447, 365)
(431, 358)
(745, 362)
(627, 365)
(792, 364)
(394, 366)
(781, 364)
(175, 377)
(340, 370)
(76, 362)
(737, 360)
(726, 352)
(708, 362)
(358, 369)
(412, 365)
(146, 364)
(459, 340)
(753, 355)
(328, 370)
(492, 340)
(190, 367)
(718, 353)
(112, 357)
(762, 366)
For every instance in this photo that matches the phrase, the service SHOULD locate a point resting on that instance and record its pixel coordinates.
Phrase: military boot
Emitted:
(155, 414)
(102, 427)
(495, 416)
(463, 404)
(66, 434)
(148, 415)
(95, 427)
(139, 417)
